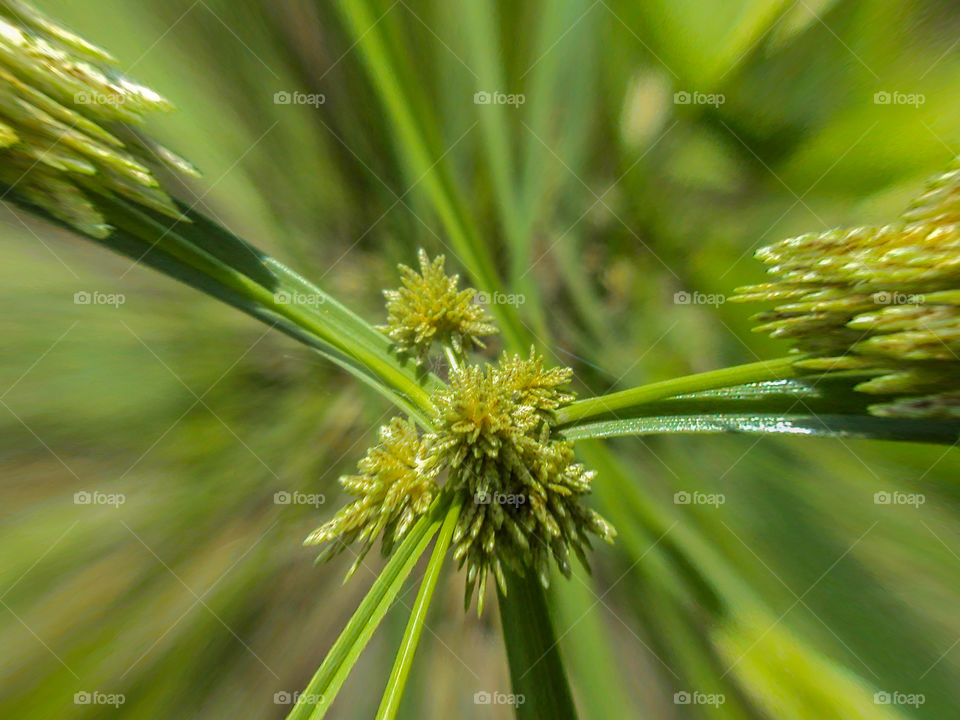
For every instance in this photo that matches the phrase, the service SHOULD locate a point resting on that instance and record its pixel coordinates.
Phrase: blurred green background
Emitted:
(601, 196)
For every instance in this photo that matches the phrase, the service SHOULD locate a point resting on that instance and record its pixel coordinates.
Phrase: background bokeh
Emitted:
(602, 196)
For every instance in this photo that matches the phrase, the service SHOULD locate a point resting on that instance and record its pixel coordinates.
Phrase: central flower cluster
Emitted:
(521, 487)
(492, 449)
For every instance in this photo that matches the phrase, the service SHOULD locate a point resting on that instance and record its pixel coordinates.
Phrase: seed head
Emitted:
(68, 122)
(429, 308)
(391, 491)
(881, 300)
(522, 488)
(519, 486)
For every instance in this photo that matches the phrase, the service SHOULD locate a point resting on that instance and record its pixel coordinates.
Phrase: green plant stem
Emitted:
(393, 693)
(762, 371)
(536, 668)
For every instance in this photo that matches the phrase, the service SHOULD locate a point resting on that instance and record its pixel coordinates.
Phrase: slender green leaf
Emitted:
(826, 406)
(200, 253)
(726, 377)
(320, 692)
(851, 426)
(393, 693)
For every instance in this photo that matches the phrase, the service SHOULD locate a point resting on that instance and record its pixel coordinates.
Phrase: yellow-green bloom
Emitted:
(429, 308)
(391, 491)
(884, 301)
(522, 487)
(68, 124)
(491, 446)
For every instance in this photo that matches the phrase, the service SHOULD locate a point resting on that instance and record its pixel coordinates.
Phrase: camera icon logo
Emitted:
(82, 698)
(482, 498)
(882, 97)
(482, 97)
(281, 498)
(681, 698)
(882, 498)
(82, 498)
(81, 298)
(282, 98)
(881, 698)
(681, 98)
(482, 698)
(681, 297)
(282, 697)
(681, 498)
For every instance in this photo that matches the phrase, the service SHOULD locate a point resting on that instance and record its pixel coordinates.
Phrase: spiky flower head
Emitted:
(68, 124)
(492, 445)
(391, 491)
(884, 301)
(522, 488)
(429, 308)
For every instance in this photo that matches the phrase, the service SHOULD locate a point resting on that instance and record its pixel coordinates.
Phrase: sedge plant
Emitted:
(481, 458)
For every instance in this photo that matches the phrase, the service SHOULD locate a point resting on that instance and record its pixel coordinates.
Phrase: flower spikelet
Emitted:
(391, 492)
(883, 301)
(68, 124)
(429, 308)
(522, 488)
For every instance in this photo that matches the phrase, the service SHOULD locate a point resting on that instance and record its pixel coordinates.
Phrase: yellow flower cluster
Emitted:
(68, 122)
(882, 301)
(392, 494)
(429, 308)
(520, 487)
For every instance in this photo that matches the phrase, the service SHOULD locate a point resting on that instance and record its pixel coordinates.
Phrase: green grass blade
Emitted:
(536, 668)
(727, 377)
(326, 682)
(200, 253)
(811, 425)
(393, 693)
